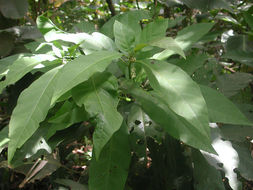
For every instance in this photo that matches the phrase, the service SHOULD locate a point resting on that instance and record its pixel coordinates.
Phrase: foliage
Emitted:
(157, 97)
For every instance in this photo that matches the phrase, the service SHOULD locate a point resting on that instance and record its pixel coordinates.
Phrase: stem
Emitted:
(111, 7)
(129, 69)
(137, 3)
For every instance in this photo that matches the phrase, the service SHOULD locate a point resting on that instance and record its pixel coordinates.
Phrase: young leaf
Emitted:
(32, 107)
(191, 34)
(179, 92)
(111, 170)
(221, 109)
(124, 36)
(4, 138)
(177, 126)
(96, 97)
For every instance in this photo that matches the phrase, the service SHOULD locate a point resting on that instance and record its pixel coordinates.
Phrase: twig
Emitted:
(111, 7)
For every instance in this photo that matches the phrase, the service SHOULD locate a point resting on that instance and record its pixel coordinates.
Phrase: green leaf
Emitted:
(191, 63)
(130, 19)
(14, 9)
(4, 137)
(7, 43)
(231, 84)
(249, 18)
(124, 37)
(34, 103)
(192, 34)
(66, 116)
(96, 97)
(75, 73)
(170, 45)
(45, 25)
(111, 170)
(204, 5)
(84, 26)
(210, 179)
(179, 92)
(173, 124)
(7, 61)
(221, 109)
(31, 109)
(239, 48)
(152, 31)
(21, 66)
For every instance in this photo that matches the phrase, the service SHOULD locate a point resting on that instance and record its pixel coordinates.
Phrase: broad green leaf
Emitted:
(96, 97)
(34, 103)
(170, 45)
(192, 34)
(4, 137)
(191, 63)
(110, 171)
(221, 109)
(205, 176)
(179, 92)
(14, 9)
(130, 19)
(231, 84)
(124, 37)
(152, 31)
(22, 66)
(32, 107)
(175, 125)
(81, 69)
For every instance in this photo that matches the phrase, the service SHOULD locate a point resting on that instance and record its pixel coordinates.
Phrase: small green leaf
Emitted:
(110, 171)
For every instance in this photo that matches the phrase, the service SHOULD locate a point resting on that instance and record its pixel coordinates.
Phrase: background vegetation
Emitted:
(130, 95)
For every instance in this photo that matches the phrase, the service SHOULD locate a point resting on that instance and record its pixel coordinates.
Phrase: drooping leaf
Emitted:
(32, 107)
(170, 45)
(21, 66)
(191, 34)
(210, 179)
(177, 126)
(96, 97)
(110, 171)
(179, 92)
(221, 109)
(14, 9)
